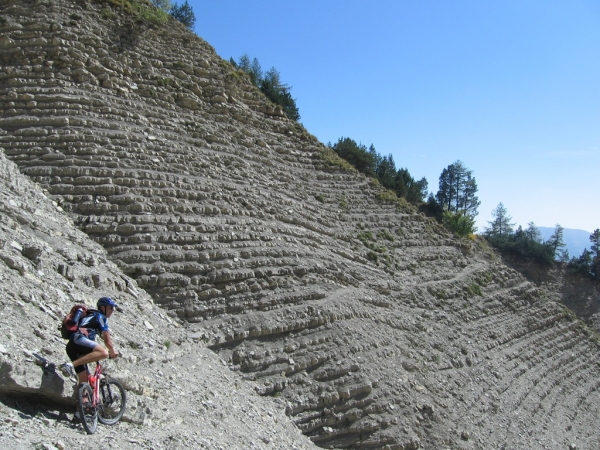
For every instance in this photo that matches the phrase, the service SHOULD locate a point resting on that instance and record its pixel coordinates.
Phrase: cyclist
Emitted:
(82, 347)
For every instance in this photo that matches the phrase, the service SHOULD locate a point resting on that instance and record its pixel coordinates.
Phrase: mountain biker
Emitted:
(82, 348)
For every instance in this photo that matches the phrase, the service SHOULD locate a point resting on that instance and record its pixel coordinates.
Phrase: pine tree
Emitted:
(500, 227)
(386, 171)
(533, 234)
(457, 189)
(564, 256)
(583, 264)
(356, 154)
(595, 263)
(556, 242)
(244, 63)
(410, 189)
(595, 240)
(184, 14)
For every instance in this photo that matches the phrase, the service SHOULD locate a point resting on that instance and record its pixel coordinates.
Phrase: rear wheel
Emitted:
(87, 410)
(112, 402)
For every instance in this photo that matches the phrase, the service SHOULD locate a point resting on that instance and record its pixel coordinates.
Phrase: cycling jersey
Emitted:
(94, 323)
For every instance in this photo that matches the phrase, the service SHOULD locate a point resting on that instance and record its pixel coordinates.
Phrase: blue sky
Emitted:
(511, 88)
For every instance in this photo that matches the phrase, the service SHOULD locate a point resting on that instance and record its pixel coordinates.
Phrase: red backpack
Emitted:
(70, 323)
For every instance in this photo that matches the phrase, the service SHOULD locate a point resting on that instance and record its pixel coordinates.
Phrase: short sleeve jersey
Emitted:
(94, 323)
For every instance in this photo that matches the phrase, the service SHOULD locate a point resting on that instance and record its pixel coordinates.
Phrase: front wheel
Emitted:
(87, 410)
(112, 402)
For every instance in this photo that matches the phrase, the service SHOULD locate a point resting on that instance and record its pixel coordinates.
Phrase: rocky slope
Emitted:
(369, 324)
(180, 394)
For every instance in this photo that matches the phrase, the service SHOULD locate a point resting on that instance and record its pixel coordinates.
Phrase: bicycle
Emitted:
(100, 399)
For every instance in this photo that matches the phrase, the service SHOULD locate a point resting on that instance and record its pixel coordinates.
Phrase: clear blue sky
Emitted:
(511, 88)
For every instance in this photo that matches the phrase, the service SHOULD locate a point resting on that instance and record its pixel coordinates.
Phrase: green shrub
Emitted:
(386, 196)
(331, 159)
(372, 256)
(459, 223)
(366, 236)
(473, 289)
(343, 203)
(155, 16)
(386, 235)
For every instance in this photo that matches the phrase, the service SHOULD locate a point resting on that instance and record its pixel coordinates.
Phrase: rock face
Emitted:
(176, 387)
(369, 324)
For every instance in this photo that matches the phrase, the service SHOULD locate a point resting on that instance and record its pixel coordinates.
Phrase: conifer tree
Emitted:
(386, 171)
(184, 14)
(595, 263)
(500, 227)
(407, 187)
(532, 233)
(556, 242)
(457, 189)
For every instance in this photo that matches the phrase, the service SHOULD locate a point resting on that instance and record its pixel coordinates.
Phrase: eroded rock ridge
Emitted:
(376, 327)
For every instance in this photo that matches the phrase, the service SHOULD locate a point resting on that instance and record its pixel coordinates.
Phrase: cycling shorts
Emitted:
(79, 345)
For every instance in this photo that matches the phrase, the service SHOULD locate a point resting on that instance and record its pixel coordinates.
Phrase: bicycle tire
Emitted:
(87, 411)
(112, 402)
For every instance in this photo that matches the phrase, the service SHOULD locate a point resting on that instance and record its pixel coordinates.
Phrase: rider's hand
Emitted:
(113, 355)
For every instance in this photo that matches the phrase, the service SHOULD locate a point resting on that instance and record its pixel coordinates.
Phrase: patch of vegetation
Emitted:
(331, 159)
(320, 198)
(473, 289)
(385, 234)
(108, 14)
(167, 344)
(269, 83)
(236, 75)
(460, 224)
(344, 203)
(155, 16)
(365, 237)
(439, 294)
(386, 196)
(485, 278)
(165, 82)
(381, 169)
(372, 256)
(137, 9)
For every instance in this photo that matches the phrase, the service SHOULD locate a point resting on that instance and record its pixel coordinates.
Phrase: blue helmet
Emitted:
(107, 301)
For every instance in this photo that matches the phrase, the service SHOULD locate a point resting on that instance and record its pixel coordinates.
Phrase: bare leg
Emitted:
(83, 376)
(99, 353)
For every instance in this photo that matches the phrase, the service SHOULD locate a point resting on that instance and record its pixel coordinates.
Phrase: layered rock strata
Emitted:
(377, 327)
(179, 393)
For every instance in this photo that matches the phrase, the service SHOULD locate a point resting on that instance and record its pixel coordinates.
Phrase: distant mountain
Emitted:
(576, 240)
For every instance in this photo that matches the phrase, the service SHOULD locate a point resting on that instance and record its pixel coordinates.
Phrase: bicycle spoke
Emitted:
(87, 411)
(113, 401)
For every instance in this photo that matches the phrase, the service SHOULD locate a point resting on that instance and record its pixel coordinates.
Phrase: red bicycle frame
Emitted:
(94, 382)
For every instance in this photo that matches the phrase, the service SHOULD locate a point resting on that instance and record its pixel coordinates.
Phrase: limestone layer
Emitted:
(375, 326)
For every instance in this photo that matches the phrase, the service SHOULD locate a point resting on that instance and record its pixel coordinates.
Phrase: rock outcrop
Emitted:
(370, 325)
(176, 387)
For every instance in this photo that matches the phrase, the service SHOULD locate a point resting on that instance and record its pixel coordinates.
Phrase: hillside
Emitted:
(366, 322)
(174, 384)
